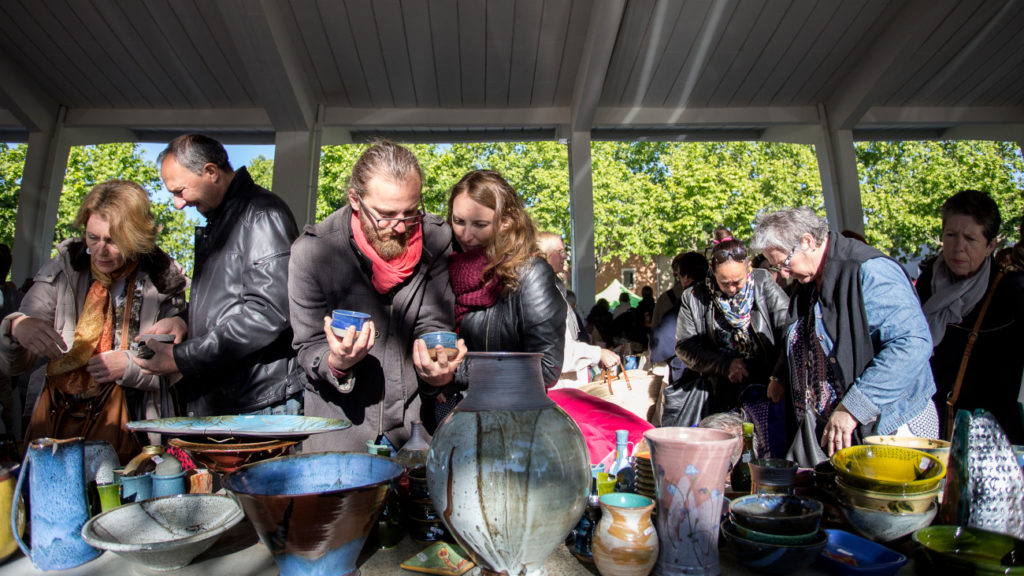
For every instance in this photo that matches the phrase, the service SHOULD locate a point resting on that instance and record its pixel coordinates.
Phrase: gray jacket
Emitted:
(58, 295)
(380, 394)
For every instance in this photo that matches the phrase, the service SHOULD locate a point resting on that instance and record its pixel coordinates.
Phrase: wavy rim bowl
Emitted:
(97, 541)
(890, 469)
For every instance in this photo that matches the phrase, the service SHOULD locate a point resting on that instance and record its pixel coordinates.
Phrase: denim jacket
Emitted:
(897, 384)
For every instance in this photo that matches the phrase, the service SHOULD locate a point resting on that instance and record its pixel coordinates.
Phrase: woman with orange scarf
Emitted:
(82, 314)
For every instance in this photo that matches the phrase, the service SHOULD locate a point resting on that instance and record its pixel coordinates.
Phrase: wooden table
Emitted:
(239, 552)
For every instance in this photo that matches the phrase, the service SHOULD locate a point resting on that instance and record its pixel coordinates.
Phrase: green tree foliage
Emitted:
(261, 169)
(903, 186)
(12, 165)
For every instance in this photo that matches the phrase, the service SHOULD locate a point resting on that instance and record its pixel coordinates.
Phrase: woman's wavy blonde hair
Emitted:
(512, 244)
(125, 207)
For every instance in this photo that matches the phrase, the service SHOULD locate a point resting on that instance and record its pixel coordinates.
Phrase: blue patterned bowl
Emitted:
(313, 512)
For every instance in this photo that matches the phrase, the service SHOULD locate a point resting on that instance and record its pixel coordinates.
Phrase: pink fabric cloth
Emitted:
(598, 420)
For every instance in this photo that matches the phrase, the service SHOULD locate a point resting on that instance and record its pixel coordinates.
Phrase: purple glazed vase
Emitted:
(689, 477)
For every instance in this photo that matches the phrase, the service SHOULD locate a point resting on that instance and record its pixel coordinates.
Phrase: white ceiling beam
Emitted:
(667, 117)
(454, 117)
(880, 65)
(259, 29)
(936, 115)
(208, 118)
(605, 18)
(23, 99)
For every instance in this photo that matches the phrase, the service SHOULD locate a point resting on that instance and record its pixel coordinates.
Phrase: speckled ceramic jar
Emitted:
(625, 543)
(508, 470)
(689, 477)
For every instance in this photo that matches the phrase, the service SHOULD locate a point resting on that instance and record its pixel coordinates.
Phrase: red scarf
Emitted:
(388, 274)
(466, 270)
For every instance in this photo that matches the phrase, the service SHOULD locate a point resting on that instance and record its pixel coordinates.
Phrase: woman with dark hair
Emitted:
(506, 298)
(86, 307)
(727, 334)
(857, 350)
(954, 288)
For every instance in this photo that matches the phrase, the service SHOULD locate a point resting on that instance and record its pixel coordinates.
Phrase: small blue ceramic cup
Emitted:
(171, 485)
(136, 488)
(445, 339)
(342, 319)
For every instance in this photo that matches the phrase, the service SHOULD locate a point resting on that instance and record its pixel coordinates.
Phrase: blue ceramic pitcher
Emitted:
(56, 475)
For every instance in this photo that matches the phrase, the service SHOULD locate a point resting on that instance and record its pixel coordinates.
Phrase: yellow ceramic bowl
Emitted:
(889, 469)
(894, 503)
(937, 448)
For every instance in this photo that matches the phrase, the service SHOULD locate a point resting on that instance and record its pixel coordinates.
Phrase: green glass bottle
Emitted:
(740, 475)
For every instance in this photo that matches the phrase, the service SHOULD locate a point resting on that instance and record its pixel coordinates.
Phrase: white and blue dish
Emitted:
(446, 340)
(241, 426)
(164, 533)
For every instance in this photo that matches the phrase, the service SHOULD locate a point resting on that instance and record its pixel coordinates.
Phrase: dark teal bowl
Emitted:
(780, 514)
(773, 558)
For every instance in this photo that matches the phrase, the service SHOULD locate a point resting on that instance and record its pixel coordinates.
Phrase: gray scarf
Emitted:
(953, 299)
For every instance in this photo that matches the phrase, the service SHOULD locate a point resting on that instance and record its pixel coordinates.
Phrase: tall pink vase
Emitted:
(689, 476)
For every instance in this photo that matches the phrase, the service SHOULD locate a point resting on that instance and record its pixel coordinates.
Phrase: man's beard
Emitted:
(387, 243)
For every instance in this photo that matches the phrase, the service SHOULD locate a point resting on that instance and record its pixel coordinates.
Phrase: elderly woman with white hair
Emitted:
(857, 346)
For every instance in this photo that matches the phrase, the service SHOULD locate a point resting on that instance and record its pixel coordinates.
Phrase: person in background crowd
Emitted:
(381, 255)
(238, 357)
(84, 310)
(623, 307)
(857, 350)
(599, 323)
(645, 307)
(578, 355)
(687, 268)
(506, 299)
(10, 301)
(570, 299)
(954, 286)
(728, 334)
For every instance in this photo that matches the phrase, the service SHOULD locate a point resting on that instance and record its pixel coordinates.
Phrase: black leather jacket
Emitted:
(529, 319)
(238, 356)
(696, 346)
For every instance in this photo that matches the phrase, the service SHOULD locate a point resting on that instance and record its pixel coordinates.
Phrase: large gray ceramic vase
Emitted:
(508, 470)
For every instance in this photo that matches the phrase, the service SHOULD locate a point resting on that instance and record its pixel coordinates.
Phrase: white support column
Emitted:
(581, 213)
(837, 165)
(41, 185)
(296, 172)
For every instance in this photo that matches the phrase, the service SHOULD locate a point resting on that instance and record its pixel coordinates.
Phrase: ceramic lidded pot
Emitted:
(625, 543)
(314, 511)
(689, 476)
(508, 470)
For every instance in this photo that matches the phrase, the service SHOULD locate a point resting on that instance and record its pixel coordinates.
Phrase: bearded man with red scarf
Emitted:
(381, 255)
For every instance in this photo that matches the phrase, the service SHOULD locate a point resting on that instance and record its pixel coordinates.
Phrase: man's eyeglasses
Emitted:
(785, 263)
(379, 223)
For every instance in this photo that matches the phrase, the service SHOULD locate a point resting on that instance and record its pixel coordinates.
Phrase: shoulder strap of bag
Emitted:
(954, 394)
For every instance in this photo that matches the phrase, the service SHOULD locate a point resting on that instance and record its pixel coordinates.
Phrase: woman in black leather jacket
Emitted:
(728, 334)
(506, 299)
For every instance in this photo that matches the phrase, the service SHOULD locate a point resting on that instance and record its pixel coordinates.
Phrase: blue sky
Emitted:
(239, 155)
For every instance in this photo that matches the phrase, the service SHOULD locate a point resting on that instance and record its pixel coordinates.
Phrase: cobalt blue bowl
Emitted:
(314, 511)
(850, 555)
(342, 319)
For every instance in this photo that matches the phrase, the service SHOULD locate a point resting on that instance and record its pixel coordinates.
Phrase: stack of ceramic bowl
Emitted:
(644, 475)
(887, 491)
(422, 521)
(775, 533)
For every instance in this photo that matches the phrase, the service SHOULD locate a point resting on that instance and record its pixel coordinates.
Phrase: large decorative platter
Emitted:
(241, 426)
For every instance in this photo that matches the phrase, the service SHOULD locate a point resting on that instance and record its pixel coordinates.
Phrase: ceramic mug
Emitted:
(136, 488)
(169, 485)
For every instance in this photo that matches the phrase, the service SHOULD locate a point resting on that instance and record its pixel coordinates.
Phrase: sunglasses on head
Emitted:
(734, 253)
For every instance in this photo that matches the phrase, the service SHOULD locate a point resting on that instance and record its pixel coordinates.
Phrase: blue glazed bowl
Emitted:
(446, 340)
(779, 514)
(850, 555)
(342, 319)
(773, 558)
(313, 512)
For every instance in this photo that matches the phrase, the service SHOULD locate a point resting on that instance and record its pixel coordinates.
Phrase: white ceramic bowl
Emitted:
(163, 533)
